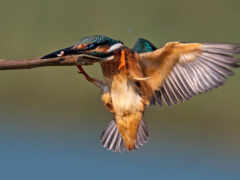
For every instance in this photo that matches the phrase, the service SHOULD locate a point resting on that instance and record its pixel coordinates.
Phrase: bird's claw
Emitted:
(81, 71)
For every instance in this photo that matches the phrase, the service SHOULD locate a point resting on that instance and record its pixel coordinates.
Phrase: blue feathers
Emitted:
(143, 45)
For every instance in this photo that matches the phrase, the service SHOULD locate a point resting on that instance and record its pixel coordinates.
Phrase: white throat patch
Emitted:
(115, 46)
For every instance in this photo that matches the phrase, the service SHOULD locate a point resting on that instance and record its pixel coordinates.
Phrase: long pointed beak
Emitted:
(85, 58)
(62, 52)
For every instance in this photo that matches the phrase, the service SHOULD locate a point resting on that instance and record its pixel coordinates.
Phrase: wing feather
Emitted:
(180, 71)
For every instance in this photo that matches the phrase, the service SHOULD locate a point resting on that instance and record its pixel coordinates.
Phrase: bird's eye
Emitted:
(91, 46)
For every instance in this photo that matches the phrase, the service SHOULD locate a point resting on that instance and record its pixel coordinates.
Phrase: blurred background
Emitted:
(51, 118)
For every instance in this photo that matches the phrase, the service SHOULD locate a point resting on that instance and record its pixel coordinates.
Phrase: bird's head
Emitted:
(98, 46)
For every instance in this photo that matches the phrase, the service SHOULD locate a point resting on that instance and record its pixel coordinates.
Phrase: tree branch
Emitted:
(38, 62)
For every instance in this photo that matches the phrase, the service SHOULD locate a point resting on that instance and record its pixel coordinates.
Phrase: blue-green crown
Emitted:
(98, 39)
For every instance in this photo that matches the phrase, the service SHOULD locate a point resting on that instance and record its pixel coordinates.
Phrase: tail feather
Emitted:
(143, 135)
(112, 140)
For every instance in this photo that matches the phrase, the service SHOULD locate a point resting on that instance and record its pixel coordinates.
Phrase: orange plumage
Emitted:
(135, 78)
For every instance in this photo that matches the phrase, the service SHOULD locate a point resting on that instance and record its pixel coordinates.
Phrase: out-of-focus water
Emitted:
(30, 151)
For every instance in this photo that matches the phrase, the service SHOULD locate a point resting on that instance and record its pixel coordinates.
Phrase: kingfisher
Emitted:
(135, 78)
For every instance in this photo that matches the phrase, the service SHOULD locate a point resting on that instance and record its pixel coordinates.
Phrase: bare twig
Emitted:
(38, 62)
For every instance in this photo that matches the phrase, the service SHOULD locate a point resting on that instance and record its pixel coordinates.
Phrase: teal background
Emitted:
(51, 118)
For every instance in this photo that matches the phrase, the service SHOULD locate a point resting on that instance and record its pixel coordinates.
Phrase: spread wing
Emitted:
(179, 71)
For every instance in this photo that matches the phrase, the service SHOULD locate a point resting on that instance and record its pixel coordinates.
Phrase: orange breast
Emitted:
(132, 70)
(132, 67)
(110, 68)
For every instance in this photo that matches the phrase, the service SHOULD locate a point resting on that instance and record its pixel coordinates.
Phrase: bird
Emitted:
(144, 75)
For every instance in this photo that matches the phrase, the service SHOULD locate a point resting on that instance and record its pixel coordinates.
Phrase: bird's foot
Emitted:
(81, 71)
(96, 82)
